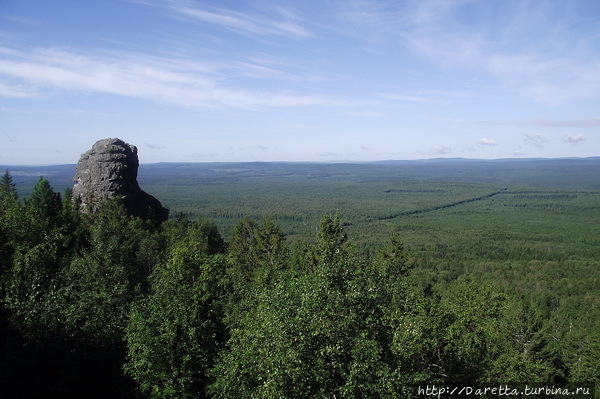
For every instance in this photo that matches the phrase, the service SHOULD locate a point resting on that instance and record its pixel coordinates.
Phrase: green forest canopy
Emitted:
(499, 289)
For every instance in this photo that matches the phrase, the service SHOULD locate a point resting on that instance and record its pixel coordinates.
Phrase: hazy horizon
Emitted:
(347, 161)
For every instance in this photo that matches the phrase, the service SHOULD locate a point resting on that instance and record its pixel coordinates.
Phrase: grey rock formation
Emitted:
(109, 170)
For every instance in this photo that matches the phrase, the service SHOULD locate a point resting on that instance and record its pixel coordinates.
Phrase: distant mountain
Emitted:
(582, 173)
(25, 177)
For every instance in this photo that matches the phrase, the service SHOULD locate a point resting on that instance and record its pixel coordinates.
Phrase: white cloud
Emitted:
(592, 122)
(574, 138)
(404, 98)
(243, 22)
(550, 59)
(449, 93)
(442, 150)
(12, 90)
(156, 146)
(535, 139)
(487, 142)
(546, 59)
(174, 81)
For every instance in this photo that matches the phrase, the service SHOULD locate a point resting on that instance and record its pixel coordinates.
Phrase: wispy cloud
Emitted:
(456, 94)
(174, 81)
(548, 59)
(16, 90)
(442, 150)
(251, 23)
(428, 95)
(10, 138)
(591, 122)
(487, 142)
(574, 138)
(404, 98)
(535, 139)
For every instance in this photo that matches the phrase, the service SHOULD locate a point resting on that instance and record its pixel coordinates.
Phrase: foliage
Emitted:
(317, 334)
(8, 189)
(37, 248)
(256, 248)
(175, 333)
(500, 286)
(63, 295)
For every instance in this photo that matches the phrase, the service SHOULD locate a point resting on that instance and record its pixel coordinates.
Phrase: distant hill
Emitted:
(575, 173)
(25, 177)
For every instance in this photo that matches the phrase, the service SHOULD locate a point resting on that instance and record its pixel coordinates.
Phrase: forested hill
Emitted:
(577, 173)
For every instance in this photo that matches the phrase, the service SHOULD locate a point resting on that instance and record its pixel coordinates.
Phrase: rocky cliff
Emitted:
(109, 170)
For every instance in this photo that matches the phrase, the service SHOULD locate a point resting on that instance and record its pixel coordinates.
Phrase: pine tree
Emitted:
(8, 189)
(43, 200)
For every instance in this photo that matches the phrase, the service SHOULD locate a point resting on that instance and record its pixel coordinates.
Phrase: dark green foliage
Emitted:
(496, 289)
(8, 189)
(30, 283)
(243, 247)
(255, 248)
(8, 211)
(394, 258)
(36, 249)
(174, 334)
(465, 335)
(70, 285)
(474, 344)
(319, 333)
(201, 233)
(331, 238)
(98, 286)
(43, 201)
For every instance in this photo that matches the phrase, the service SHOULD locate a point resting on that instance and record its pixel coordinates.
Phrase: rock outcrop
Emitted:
(109, 170)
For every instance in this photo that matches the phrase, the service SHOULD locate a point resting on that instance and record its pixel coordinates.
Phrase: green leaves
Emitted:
(174, 334)
(188, 315)
(8, 189)
(30, 283)
(331, 238)
(256, 249)
(43, 201)
(316, 333)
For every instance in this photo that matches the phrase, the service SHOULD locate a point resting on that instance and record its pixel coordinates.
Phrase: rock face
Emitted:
(109, 170)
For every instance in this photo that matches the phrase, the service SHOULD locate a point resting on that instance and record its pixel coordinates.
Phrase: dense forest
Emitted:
(108, 305)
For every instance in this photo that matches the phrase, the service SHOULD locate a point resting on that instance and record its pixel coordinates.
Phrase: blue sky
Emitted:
(327, 80)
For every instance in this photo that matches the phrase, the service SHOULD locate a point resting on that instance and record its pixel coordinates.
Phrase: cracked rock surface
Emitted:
(109, 169)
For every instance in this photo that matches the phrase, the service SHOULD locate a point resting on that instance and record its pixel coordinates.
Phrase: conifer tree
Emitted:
(43, 201)
(8, 189)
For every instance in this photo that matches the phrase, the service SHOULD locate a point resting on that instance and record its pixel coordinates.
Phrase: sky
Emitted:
(310, 80)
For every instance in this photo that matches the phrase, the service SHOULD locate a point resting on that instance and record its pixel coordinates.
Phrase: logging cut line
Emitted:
(444, 206)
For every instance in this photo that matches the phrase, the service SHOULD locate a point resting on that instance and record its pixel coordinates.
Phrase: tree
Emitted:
(319, 332)
(29, 285)
(43, 201)
(394, 259)
(200, 233)
(256, 246)
(175, 334)
(38, 250)
(8, 189)
(243, 248)
(271, 244)
(98, 286)
(331, 238)
(69, 289)
(8, 210)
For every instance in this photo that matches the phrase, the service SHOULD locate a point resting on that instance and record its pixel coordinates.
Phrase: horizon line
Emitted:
(328, 162)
